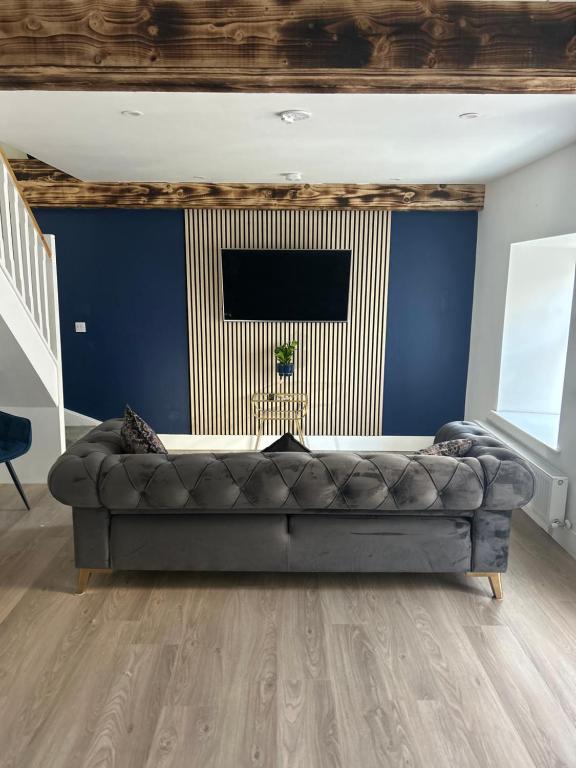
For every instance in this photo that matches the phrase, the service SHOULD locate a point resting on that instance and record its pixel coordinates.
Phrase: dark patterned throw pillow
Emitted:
(139, 437)
(448, 448)
(286, 444)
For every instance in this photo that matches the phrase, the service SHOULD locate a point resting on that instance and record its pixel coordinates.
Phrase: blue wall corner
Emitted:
(430, 294)
(124, 273)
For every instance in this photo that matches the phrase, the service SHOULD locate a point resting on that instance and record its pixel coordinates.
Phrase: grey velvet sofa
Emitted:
(318, 512)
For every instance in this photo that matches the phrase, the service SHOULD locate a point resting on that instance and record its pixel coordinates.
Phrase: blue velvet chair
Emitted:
(15, 441)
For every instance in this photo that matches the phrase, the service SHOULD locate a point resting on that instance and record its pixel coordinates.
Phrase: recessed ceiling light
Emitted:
(294, 115)
(468, 115)
(131, 113)
(292, 176)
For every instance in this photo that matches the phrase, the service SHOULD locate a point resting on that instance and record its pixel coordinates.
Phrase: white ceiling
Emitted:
(238, 137)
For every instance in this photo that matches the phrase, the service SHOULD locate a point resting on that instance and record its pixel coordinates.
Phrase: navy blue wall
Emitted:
(124, 273)
(430, 290)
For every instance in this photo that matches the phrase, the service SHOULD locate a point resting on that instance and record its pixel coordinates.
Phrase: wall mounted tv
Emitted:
(286, 285)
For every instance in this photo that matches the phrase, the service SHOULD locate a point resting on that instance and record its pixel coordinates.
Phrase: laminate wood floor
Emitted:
(157, 670)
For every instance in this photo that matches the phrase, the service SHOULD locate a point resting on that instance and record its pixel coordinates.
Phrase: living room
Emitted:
(287, 384)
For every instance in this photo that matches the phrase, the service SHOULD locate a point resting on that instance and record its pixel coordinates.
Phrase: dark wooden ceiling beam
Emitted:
(47, 187)
(318, 81)
(310, 45)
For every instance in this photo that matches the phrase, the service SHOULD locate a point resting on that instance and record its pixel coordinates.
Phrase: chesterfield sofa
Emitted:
(285, 512)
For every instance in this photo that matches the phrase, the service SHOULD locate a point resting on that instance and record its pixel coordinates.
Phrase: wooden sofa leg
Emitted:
(83, 577)
(495, 580)
(496, 584)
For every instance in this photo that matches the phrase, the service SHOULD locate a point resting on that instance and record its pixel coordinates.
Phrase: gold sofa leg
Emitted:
(83, 577)
(495, 580)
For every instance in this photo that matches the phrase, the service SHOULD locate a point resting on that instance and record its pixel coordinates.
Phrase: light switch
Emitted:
(80, 327)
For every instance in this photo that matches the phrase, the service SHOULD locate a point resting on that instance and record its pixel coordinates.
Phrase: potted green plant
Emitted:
(284, 355)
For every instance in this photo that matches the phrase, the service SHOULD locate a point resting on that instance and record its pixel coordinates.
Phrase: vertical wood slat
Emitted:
(339, 365)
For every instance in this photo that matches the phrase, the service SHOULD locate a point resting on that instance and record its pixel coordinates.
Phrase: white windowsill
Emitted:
(535, 430)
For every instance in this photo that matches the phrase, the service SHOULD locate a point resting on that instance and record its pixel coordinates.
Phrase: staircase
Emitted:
(30, 360)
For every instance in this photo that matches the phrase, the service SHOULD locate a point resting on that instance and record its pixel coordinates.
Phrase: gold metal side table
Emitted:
(279, 406)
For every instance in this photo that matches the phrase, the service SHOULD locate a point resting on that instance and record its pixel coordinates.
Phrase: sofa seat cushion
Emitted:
(276, 543)
(375, 544)
(199, 543)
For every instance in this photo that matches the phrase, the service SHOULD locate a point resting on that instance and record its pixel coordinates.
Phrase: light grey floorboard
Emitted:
(280, 671)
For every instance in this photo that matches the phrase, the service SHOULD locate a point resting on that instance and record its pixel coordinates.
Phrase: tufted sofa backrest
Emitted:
(96, 473)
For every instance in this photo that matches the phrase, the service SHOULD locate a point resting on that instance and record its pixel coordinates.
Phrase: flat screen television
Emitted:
(290, 285)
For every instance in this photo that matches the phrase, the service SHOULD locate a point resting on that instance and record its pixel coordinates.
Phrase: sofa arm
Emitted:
(508, 480)
(73, 479)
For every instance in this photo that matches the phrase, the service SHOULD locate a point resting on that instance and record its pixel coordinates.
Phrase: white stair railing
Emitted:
(25, 258)
(30, 356)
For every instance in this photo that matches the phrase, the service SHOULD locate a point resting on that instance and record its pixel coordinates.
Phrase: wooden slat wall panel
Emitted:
(340, 366)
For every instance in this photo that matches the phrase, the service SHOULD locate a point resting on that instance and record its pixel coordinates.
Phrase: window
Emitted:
(539, 302)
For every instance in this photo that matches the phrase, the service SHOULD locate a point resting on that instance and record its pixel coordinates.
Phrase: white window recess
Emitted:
(539, 301)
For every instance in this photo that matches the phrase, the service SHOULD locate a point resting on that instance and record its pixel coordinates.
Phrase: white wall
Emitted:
(536, 201)
(48, 442)
(23, 392)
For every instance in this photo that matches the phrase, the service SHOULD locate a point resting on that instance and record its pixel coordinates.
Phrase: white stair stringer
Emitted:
(28, 369)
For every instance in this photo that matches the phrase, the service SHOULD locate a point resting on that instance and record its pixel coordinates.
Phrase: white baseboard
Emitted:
(314, 442)
(74, 419)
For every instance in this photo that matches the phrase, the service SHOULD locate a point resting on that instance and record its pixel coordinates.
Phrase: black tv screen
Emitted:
(291, 285)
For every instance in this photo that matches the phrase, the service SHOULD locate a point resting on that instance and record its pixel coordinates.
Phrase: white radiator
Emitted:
(549, 501)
